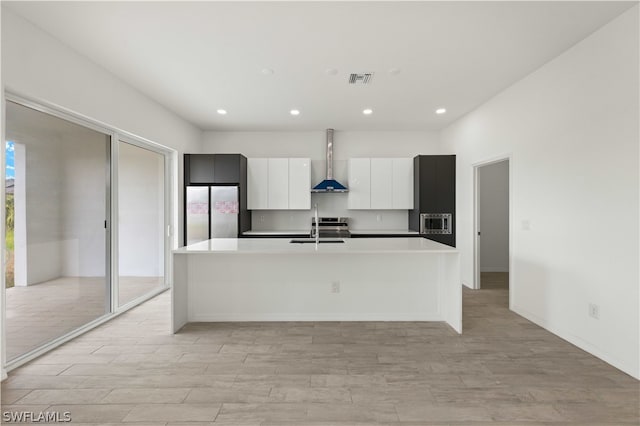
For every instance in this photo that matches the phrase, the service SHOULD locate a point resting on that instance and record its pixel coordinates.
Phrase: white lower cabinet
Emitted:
(380, 184)
(279, 183)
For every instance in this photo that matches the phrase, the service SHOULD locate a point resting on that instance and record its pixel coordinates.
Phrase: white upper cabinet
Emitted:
(403, 183)
(278, 183)
(380, 183)
(299, 183)
(359, 184)
(257, 183)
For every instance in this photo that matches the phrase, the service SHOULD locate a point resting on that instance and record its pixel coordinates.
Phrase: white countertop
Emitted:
(283, 246)
(285, 232)
(353, 231)
(383, 232)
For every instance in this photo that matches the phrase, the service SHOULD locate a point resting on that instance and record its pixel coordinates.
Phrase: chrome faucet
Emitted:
(315, 207)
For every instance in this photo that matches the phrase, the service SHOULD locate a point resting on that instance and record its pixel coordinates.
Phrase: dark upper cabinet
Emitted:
(211, 169)
(199, 168)
(226, 168)
(434, 192)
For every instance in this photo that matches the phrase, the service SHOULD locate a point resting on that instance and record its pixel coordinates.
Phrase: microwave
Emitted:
(435, 223)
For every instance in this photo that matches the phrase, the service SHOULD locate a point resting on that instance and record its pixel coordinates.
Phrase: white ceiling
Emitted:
(197, 57)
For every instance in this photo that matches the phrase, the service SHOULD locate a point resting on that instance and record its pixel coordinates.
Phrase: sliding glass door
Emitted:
(141, 221)
(87, 225)
(57, 183)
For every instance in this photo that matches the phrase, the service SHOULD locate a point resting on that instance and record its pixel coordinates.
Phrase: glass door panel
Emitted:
(141, 229)
(58, 241)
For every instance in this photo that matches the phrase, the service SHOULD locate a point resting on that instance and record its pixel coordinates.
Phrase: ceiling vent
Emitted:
(362, 78)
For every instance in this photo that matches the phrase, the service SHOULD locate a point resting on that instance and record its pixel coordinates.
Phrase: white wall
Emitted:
(494, 217)
(312, 144)
(36, 65)
(572, 130)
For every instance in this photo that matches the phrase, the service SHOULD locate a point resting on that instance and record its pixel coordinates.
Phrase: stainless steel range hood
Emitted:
(329, 184)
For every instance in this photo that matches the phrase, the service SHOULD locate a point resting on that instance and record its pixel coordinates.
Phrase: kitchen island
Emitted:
(265, 279)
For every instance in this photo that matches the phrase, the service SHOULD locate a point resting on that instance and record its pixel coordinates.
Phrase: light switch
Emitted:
(526, 225)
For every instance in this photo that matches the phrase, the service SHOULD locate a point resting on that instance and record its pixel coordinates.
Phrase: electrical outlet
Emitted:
(335, 287)
(594, 311)
(261, 218)
(526, 225)
(379, 218)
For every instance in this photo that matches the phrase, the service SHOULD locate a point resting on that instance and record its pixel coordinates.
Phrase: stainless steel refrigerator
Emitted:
(211, 212)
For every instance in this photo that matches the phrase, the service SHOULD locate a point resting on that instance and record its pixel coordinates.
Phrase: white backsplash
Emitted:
(329, 204)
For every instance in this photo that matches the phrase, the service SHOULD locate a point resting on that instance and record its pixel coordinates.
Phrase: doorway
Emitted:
(491, 225)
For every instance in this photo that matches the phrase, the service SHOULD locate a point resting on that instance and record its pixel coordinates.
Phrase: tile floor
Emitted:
(40, 313)
(502, 370)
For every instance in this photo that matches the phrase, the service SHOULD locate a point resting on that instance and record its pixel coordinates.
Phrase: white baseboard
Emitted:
(577, 341)
(267, 317)
(494, 269)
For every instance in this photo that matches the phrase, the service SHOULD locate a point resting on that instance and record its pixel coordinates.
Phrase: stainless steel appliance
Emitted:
(435, 223)
(211, 212)
(329, 184)
(330, 227)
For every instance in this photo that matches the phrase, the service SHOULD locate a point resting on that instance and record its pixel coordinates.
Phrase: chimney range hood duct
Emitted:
(329, 184)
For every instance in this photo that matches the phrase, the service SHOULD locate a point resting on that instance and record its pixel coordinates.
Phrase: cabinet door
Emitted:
(359, 184)
(278, 183)
(257, 183)
(199, 168)
(299, 183)
(403, 183)
(381, 183)
(226, 168)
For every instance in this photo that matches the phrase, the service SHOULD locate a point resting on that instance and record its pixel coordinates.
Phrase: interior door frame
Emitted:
(476, 218)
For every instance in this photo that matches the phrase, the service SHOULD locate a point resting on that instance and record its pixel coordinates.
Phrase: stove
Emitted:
(331, 227)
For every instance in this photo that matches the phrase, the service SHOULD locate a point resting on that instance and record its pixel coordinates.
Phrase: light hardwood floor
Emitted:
(39, 313)
(502, 370)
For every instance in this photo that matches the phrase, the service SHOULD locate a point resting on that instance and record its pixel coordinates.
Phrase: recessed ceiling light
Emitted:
(441, 110)
(394, 71)
(367, 111)
(294, 112)
(221, 111)
(267, 71)
(331, 71)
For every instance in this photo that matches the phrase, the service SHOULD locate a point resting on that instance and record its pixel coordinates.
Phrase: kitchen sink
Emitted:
(313, 241)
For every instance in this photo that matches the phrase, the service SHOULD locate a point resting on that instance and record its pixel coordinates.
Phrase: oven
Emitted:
(331, 227)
